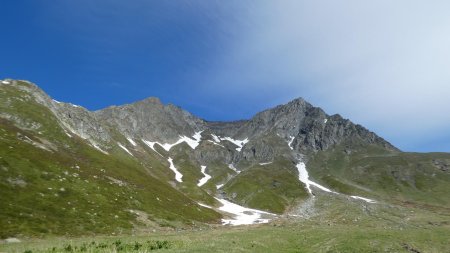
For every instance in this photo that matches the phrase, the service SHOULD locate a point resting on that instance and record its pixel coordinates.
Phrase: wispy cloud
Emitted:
(384, 64)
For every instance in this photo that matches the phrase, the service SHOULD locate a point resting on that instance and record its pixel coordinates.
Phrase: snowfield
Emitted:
(303, 176)
(243, 215)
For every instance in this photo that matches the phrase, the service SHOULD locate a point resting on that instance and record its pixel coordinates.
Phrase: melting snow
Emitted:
(239, 143)
(205, 178)
(262, 164)
(290, 142)
(193, 143)
(95, 145)
(325, 120)
(243, 215)
(231, 166)
(219, 186)
(56, 101)
(151, 144)
(304, 178)
(215, 137)
(131, 141)
(124, 148)
(215, 143)
(5, 82)
(200, 204)
(365, 199)
(178, 175)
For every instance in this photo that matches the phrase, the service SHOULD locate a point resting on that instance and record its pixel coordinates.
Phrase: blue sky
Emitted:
(383, 64)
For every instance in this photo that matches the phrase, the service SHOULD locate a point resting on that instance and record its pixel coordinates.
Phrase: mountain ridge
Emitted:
(149, 151)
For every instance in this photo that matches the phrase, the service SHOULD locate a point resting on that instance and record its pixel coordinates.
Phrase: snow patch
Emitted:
(201, 204)
(131, 141)
(56, 101)
(124, 148)
(178, 175)
(303, 176)
(262, 164)
(219, 186)
(215, 137)
(325, 120)
(151, 144)
(365, 199)
(193, 143)
(242, 215)
(239, 143)
(215, 143)
(231, 166)
(291, 140)
(95, 145)
(206, 177)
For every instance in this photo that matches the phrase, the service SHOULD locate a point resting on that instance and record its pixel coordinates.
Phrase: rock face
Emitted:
(151, 120)
(306, 128)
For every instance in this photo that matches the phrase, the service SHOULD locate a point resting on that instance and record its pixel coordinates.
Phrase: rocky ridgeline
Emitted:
(306, 128)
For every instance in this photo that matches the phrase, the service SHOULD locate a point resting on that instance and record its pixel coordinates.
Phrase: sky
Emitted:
(382, 64)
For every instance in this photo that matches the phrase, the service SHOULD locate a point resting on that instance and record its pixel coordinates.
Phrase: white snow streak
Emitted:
(304, 178)
(178, 175)
(131, 141)
(216, 139)
(239, 143)
(231, 166)
(262, 164)
(365, 199)
(290, 142)
(325, 120)
(201, 204)
(242, 215)
(219, 186)
(193, 143)
(215, 143)
(206, 177)
(56, 101)
(124, 148)
(95, 145)
(151, 144)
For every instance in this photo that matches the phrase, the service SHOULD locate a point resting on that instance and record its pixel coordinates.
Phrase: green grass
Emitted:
(72, 188)
(274, 187)
(391, 176)
(343, 227)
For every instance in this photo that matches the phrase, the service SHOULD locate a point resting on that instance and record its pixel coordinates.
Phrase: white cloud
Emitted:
(384, 64)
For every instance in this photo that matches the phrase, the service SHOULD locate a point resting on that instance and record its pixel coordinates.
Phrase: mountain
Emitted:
(66, 170)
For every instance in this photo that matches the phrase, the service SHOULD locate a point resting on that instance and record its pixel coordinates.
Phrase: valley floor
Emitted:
(296, 237)
(342, 227)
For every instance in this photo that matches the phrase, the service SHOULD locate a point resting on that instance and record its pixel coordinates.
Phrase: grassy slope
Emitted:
(273, 187)
(345, 226)
(73, 189)
(376, 173)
